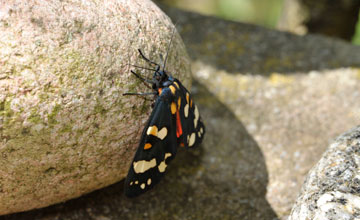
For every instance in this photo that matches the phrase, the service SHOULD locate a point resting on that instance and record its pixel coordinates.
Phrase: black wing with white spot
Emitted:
(157, 148)
(192, 125)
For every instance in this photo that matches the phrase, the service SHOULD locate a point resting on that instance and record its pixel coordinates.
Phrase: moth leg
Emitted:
(147, 60)
(141, 94)
(141, 67)
(145, 81)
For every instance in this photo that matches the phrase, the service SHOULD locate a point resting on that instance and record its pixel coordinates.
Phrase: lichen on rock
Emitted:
(332, 188)
(65, 128)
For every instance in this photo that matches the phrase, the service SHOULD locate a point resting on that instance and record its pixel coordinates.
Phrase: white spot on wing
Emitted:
(142, 186)
(162, 133)
(192, 139)
(149, 181)
(167, 155)
(152, 130)
(162, 167)
(142, 166)
(197, 115)
(186, 110)
(196, 112)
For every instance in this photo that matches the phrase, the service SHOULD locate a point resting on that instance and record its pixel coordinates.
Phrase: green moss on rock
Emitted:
(52, 115)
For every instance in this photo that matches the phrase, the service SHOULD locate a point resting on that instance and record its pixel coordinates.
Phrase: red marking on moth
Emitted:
(182, 145)
(160, 90)
(178, 125)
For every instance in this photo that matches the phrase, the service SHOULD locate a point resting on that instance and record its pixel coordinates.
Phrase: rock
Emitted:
(65, 128)
(268, 119)
(223, 178)
(249, 49)
(332, 188)
(294, 94)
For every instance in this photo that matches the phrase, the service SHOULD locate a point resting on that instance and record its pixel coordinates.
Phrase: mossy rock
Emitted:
(65, 127)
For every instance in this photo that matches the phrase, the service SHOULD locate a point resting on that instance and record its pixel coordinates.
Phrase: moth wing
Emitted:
(157, 148)
(192, 125)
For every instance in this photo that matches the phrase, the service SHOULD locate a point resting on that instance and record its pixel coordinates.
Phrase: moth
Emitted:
(174, 122)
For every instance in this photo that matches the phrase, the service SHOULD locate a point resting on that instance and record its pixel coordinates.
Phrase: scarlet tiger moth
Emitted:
(174, 122)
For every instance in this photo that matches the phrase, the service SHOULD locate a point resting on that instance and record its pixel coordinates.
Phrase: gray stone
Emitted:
(294, 94)
(268, 121)
(224, 178)
(65, 128)
(244, 48)
(332, 188)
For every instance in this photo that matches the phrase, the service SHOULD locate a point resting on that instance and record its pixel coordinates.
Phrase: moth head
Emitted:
(160, 76)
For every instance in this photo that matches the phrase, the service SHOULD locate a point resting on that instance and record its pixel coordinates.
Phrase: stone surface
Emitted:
(332, 188)
(65, 128)
(268, 121)
(224, 178)
(248, 49)
(293, 94)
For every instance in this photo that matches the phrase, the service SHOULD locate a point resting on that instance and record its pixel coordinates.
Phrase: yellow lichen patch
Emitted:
(173, 89)
(152, 130)
(179, 102)
(173, 108)
(357, 73)
(147, 146)
(143, 165)
(177, 85)
(280, 79)
(162, 133)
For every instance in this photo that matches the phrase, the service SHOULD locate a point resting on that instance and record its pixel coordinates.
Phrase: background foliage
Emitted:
(265, 13)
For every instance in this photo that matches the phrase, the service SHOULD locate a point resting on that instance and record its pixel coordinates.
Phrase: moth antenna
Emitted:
(141, 67)
(168, 48)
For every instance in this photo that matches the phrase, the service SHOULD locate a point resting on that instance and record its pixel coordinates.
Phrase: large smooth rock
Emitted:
(223, 178)
(65, 128)
(294, 94)
(268, 120)
(332, 188)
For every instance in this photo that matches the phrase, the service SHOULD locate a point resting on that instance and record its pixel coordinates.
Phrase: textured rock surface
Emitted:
(332, 188)
(65, 128)
(248, 49)
(224, 178)
(293, 94)
(273, 128)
